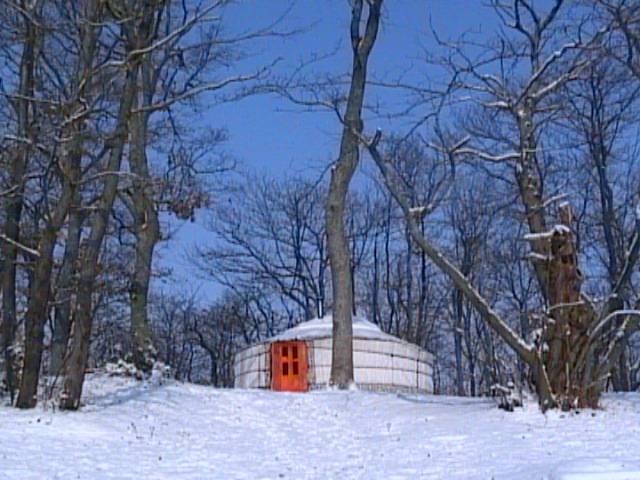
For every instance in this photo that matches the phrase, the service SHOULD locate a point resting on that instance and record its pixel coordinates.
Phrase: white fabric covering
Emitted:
(381, 361)
(252, 367)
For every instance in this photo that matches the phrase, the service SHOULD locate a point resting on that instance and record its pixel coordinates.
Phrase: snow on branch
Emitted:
(421, 211)
(556, 198)
(595, 331)
(558, 229)
(525, 351)
(19, 246)
(487, 156)
(538, 257)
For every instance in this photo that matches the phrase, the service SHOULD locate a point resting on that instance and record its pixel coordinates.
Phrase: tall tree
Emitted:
(137, 28)
(341, 174)
(146, 223)
(27, 15)
(70, 169)
(578, 341)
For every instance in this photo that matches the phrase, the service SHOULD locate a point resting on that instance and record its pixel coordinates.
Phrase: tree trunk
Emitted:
(13, 212)
(38, 305)
(35, 320)
(457, 340)
(90, 253)
(147, 233)
(563, 341)
(471, 360)
(14, 203)
(341, 174)
(139, 31)
(65, 287)
(375, 287)
(408, 272)
(530, 188)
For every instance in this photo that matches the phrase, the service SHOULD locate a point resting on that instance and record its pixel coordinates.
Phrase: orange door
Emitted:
(289, 367)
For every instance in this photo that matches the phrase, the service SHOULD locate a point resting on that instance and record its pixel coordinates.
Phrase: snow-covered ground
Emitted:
(152, 431)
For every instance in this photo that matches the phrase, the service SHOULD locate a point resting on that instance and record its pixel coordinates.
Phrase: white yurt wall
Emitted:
(378, 365)
(252, 367)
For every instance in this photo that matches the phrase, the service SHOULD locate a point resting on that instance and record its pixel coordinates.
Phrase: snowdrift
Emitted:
(158, 430)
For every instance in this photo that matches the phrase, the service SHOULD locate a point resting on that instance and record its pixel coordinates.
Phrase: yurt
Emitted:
(299, 359)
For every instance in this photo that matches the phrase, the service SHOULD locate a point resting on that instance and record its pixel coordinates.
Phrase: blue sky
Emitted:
(267, 133)
(270, 136)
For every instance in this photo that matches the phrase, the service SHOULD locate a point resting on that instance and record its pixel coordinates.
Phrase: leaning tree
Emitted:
(518, 87)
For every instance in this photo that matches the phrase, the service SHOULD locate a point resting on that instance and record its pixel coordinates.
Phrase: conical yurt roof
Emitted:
(323, 328)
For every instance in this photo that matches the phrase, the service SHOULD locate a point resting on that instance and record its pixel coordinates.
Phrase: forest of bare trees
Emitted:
(494, 219)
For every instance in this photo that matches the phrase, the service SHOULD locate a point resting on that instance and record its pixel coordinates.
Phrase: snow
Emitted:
(137, 430)
(537, 257)
(597, 469)
(323, 328)
(558, 229)
(419, 212)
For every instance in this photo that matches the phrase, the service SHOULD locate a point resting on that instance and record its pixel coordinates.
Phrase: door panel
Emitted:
(289, 367)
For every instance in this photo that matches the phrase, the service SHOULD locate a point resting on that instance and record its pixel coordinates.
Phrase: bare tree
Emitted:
(138, 33)
(575, 347)
(470, 218)
(70, 166)
(25, 17)
(65, 286)
(341, 173)
(271, 233)
(603, 110)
